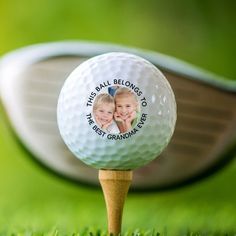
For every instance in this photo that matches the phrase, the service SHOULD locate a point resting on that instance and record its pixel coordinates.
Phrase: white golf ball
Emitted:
(116, 111)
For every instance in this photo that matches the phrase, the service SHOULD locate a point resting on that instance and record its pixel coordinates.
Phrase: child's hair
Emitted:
(126, 91)
(103, 98)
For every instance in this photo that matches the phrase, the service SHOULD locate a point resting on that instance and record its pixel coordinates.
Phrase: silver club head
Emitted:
(30, 82)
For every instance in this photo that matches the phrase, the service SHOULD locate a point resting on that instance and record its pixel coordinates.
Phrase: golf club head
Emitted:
(31, 79)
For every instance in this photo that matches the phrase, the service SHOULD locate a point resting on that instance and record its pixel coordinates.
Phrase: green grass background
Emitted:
(33, 202)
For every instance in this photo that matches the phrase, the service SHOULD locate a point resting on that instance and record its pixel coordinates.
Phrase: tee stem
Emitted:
(115, 185)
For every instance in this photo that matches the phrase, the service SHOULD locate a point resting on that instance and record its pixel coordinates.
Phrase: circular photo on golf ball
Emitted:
(116, 111)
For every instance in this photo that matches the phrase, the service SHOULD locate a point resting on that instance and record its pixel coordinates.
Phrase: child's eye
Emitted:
(100, 110)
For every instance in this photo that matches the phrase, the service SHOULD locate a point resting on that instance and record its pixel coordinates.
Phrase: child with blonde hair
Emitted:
(127, 109)
(103, 110)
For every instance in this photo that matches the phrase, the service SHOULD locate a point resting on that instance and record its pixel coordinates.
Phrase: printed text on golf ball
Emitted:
(134, 97)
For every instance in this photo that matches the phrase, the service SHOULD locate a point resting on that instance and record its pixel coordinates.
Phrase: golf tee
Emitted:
(115, 186)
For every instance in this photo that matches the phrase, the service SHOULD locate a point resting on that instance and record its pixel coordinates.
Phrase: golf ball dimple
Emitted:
(116, 111)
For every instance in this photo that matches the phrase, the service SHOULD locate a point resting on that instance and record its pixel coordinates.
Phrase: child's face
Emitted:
(104, 113)
(125, 105)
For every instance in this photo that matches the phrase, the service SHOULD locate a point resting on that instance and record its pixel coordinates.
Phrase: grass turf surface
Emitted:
(34, 202)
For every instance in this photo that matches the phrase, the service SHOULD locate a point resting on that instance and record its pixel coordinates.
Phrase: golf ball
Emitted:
(116, 111)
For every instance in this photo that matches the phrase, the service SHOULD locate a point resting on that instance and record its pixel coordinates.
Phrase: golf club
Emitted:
(204, 138)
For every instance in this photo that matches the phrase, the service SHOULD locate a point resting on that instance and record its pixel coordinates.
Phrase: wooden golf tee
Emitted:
(115, 186)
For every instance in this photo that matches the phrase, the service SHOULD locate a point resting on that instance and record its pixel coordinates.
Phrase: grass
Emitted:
(91, 232)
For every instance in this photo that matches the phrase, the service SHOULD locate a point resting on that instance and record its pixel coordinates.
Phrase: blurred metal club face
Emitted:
(31, 79)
